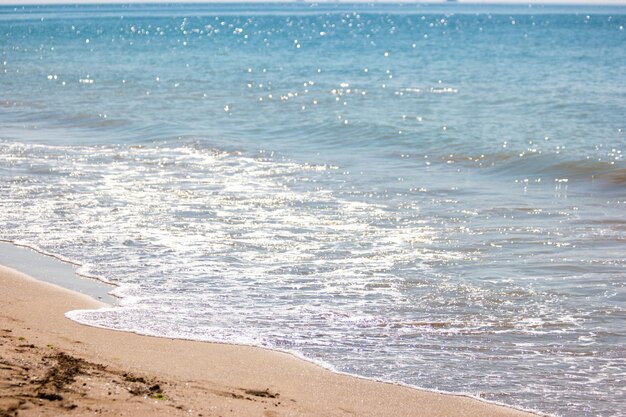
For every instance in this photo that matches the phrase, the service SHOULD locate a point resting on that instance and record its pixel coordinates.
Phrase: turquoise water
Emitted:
(428, 194)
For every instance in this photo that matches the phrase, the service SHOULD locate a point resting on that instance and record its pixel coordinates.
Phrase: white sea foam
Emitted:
(196, 239)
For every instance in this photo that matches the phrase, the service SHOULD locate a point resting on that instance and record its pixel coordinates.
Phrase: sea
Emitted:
(428, 194)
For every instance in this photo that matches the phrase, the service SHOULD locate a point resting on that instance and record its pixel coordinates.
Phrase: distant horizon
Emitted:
(495, 2)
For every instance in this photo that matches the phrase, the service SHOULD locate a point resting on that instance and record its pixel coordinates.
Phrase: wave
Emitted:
(544, 167)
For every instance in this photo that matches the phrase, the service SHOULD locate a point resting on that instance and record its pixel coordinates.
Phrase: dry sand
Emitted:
(52, 366)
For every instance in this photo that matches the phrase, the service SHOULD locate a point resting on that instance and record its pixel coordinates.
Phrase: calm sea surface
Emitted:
(433, 195)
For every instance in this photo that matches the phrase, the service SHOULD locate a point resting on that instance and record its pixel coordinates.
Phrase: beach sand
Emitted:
(52, 366)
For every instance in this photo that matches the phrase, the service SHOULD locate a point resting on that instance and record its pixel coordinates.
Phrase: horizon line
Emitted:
(529, 3)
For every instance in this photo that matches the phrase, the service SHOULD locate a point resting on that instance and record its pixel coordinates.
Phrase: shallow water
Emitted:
(426, 194)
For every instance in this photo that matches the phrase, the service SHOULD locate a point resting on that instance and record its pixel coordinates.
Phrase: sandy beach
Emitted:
(51, 366)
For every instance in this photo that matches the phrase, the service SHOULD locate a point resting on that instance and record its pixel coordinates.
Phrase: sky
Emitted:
(590, 2)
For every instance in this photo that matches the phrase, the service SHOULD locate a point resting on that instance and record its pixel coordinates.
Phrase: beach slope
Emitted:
(52, 366)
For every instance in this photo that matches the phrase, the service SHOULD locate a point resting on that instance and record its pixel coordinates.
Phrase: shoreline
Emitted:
(206, 378)
(55, 269)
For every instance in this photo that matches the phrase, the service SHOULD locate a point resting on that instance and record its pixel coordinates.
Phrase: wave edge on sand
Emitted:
(75, 367)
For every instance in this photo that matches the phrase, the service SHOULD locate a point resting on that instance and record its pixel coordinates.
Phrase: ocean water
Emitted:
(428, 194)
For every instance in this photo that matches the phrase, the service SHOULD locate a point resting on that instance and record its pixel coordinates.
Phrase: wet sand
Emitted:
(52, 366)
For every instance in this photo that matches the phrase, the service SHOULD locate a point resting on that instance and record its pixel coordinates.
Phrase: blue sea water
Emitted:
(428, 194)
